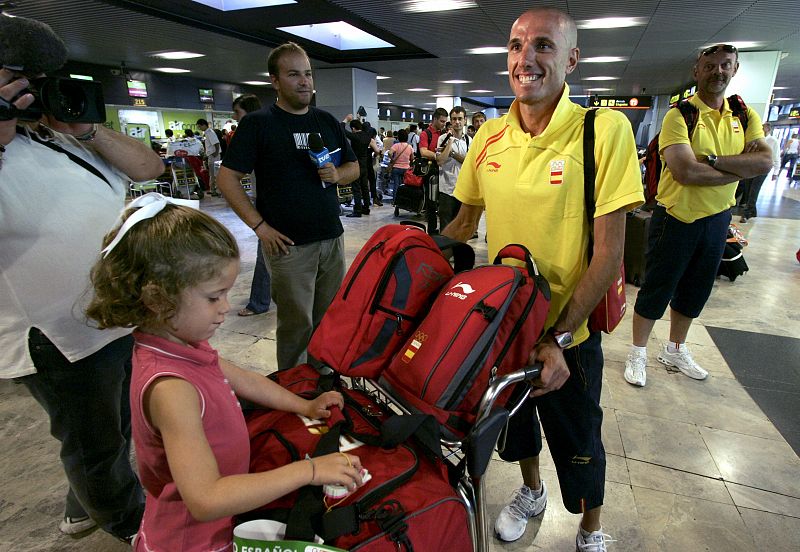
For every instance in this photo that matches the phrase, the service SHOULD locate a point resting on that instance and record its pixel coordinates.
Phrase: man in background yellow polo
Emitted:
(690, 222)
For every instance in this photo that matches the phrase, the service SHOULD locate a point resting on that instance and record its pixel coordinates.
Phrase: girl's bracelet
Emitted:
(313, 470)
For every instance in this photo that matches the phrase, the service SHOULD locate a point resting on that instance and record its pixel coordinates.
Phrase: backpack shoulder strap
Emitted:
(690, 115)
(589, 169)
(739, 109)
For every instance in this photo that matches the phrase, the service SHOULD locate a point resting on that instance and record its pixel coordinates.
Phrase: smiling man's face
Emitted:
(541, 53)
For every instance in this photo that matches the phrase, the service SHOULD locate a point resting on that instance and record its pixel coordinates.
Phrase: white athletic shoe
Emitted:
(636, 368)
(511, 522)
(683, 361)
(595, 541)
(73, 526)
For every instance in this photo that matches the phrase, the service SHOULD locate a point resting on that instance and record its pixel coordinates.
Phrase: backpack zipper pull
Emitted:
(399, 324)
(487, 311)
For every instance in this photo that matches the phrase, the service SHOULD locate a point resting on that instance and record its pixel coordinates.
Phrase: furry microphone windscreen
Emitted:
(30, 45)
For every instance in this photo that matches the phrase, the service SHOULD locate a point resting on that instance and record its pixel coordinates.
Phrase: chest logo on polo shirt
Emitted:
(735, 125)
(557, 171)
(493, 166)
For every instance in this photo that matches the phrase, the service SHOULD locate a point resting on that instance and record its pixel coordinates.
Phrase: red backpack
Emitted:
(485, 322)
(652, 163)
(388, 289)
(407, 496)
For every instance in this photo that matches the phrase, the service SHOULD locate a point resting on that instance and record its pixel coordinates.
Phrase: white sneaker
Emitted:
(594, 542)
(636, 368)
(511, 522)
(683, 361)
(75, 525)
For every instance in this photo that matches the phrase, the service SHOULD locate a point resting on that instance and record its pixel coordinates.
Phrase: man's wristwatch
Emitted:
(562, 339)
(711, 160)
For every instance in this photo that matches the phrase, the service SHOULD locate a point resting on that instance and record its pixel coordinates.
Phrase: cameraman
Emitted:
(62, 187)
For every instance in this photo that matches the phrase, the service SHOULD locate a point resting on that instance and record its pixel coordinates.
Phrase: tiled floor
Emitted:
(691, 465)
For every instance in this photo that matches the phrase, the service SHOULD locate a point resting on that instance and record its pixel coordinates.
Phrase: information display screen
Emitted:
(206, 95)
(137, 89)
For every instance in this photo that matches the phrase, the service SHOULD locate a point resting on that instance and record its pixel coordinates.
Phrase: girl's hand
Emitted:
(319, 408)
(337, 468)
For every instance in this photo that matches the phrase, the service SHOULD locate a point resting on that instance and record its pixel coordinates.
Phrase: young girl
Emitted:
(167, 270)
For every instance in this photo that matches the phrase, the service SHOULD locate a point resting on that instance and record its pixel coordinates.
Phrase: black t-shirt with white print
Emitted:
(289, 193)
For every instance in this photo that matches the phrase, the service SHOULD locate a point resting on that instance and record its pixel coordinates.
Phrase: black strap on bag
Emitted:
(72, 157)
(308, 517)
(589, 173)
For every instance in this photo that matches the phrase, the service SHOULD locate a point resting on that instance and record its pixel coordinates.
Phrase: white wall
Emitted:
(755, 78)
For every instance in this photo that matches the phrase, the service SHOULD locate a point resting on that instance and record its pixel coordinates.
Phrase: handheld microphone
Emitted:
(317, 151)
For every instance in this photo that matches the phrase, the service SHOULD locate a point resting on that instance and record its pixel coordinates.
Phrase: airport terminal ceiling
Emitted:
(427, 47)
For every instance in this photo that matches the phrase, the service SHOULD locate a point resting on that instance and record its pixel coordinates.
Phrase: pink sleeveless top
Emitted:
(167, 524)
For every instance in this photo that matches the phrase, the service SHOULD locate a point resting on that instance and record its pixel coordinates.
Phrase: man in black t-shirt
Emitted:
(296, 215)
(363, 146)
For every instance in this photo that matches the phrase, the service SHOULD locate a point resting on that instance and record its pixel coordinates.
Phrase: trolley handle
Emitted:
(524, 374)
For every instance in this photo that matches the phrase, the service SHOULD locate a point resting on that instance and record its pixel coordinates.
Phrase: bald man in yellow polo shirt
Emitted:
(690, 222)
(526, 169)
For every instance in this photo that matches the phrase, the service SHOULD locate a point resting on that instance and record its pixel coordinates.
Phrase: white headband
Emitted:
(149, 205)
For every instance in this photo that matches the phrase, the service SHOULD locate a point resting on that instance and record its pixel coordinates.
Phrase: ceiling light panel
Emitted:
(603, 59)
(256, 83)
(177, 55)
(338, 35)
(233, 5)
(612, 22)
(435, 5)
(600, 78)
(170, 70)
(382, 77)
(418, 89)
(456, 81)
(488, 50)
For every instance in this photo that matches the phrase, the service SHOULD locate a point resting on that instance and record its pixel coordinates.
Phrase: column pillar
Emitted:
(755, 79)
(342, 90)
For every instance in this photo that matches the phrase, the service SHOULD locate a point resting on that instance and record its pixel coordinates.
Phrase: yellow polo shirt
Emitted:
(716, 133)
(532, 188)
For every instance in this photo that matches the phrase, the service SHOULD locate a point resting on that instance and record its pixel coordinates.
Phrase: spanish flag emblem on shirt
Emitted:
(557, 171)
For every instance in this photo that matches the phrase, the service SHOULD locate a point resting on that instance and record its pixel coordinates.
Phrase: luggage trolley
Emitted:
(184, 179)
(475, 451)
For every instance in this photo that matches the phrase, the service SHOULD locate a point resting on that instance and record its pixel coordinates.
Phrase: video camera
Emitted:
(67, 100)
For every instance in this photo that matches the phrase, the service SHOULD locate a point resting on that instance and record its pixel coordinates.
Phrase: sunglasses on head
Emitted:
(716, 47)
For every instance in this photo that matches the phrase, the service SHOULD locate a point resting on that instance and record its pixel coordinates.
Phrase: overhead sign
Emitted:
(622, 102)
(682, 94)
(794, 112)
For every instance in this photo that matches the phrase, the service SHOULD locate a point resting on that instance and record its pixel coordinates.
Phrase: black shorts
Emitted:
(682, 263)
(571, 418)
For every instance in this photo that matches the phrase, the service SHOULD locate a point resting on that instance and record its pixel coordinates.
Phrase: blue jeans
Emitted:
(89, 409)
(571, 418)
(304, 283)
(397, 179)
(259, 288)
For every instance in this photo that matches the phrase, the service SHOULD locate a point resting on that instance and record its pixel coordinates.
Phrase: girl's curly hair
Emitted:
(140, 281)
